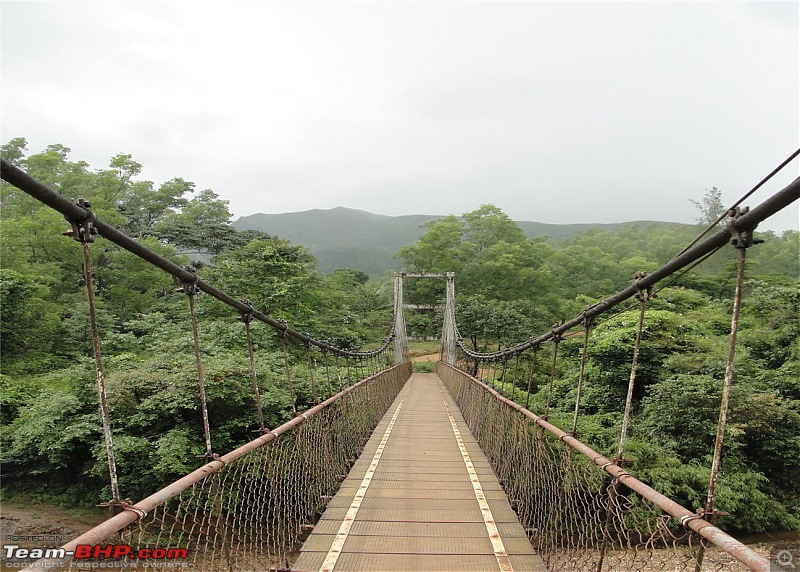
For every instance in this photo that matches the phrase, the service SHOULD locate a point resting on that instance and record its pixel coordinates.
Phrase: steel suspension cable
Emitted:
(556, 342)
(328, 372)
(531, 374)
(742, 244)
(514, 378)
(623, 436)
(246, 318)
(100, 374)
(747, 195)
(288, 372)
(587, 325)
(338, 373)
(78, 215)
(314, 395)
(191, 291)
(741, 224)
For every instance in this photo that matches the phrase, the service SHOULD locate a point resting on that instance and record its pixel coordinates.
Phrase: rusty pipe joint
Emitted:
(740, 238)
(190, 287)
(83, 229)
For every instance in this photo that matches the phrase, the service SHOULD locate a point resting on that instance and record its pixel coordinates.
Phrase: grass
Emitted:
(416, 349)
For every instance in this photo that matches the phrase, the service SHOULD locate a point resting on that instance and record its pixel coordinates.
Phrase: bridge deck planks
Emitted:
(420, 510)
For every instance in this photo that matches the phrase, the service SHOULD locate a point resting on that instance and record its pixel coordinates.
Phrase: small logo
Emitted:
(785, 558)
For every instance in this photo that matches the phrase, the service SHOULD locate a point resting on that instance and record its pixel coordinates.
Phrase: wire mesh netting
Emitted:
(254, 513)
(574, 513)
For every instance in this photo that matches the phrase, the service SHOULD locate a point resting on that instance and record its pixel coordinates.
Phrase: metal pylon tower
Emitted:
(448, 327)
(449, 324)
(400, 336)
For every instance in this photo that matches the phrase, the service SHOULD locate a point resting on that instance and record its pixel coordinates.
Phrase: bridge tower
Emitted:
(449, 324)
(400, 337)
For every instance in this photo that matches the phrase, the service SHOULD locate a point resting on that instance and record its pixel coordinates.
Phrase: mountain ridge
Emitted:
(343, 237)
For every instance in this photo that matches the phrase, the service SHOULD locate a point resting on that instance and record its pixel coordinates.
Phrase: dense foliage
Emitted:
(509, 287)
(51, 432)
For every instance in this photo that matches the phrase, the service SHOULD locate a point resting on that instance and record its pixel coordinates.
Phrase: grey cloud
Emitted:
(558, 112)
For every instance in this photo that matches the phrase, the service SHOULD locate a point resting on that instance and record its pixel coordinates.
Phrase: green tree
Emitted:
(491, 257)
(489, 225)
(279, 278)
(144, 206)
(14, 151)
(439, 249)
(30, 321)
(777, 258)
(202, 225)
(711, 207)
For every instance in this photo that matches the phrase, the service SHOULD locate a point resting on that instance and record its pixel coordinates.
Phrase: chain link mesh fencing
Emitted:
(255, 511)
(575, 514)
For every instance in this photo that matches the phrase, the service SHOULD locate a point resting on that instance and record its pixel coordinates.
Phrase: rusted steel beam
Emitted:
(686, 517)
(133, 513)
(423, 275)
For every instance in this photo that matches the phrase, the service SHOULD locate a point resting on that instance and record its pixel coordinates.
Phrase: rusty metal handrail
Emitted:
(136, 511)
(687, 518)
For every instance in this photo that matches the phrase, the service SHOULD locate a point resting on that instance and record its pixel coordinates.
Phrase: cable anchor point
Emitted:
(557, 336)
(82, 230)
(247, 315)
(642, 294)
(740, 238)
(190, 287)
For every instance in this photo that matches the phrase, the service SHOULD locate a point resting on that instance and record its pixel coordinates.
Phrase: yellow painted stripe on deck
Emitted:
(503, 560)
(344, 530)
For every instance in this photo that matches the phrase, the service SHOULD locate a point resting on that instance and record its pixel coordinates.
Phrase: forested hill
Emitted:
(350, 238)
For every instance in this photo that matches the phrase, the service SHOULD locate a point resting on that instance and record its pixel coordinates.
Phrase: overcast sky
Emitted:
(556, 112)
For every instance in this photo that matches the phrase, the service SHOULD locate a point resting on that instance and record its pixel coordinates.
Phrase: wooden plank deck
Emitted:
(421, 497)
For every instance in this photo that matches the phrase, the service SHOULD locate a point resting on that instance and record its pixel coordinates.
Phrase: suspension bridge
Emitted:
(398, 471)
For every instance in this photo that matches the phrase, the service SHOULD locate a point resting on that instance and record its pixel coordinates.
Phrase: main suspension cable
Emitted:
(77, 214)
(742, 224)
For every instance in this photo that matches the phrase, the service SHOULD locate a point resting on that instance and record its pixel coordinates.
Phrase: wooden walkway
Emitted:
(421, 497)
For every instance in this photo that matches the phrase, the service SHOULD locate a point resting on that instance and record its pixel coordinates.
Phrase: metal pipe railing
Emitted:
(686, 517)
(135, 512)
